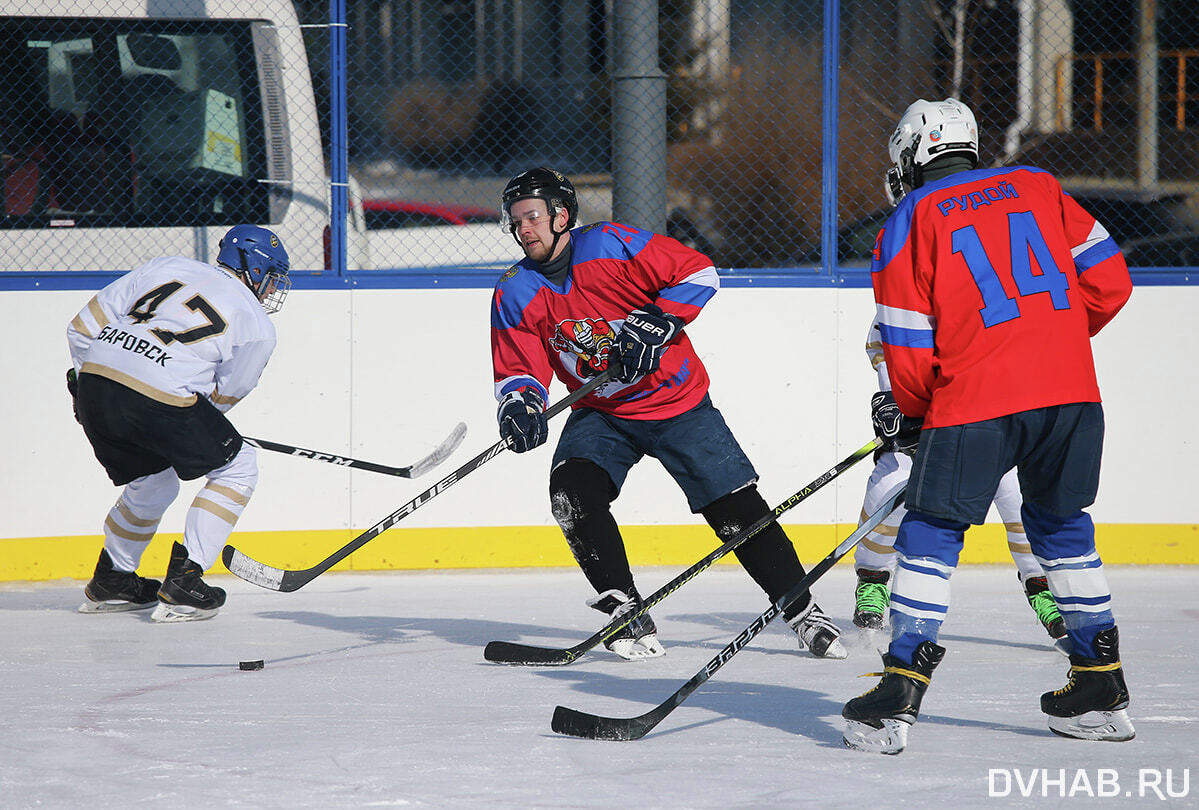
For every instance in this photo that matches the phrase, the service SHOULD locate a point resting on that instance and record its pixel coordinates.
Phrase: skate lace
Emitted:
(1069, 685)
(873, 597)
(1082, 668)
(910, 673)
(636, 628)
(907, 673)
(815, 621)
(1045, 608)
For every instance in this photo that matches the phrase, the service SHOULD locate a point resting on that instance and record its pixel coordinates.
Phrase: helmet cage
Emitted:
(271, 291)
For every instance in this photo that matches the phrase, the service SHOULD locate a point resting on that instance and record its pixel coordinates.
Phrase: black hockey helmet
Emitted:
(543, 184)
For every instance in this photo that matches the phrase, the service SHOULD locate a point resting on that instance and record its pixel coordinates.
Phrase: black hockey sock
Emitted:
(769, 558)
(580, 494)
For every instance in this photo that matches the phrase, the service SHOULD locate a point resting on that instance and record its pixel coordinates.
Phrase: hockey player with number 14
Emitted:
(989, 285)
(874, 557)
(158, 357)
(610, 296)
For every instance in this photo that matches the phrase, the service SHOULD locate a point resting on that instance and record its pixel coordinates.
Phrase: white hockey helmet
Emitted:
(928, 130)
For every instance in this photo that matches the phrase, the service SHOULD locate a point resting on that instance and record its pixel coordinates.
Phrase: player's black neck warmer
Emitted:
(555, 270)
(943, 167)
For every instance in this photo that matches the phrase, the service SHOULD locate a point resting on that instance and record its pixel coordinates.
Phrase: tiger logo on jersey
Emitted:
(588, 340)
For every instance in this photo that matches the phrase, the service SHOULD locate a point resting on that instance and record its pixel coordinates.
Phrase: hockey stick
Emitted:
(506, 652)
(278, 579)
(439, 454)
(594, 727)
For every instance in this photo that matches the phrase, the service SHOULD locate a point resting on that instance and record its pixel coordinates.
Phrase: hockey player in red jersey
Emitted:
(989, 285)
(608, 295)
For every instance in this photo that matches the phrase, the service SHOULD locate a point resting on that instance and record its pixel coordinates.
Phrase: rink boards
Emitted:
(384, 374)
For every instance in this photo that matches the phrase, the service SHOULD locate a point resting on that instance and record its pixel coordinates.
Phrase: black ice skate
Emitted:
(638, 639)
(872, 597)
(1093, 705)
(1041, 601)
(879, 720)
(112, 591)
(184, 597)
(817, 633)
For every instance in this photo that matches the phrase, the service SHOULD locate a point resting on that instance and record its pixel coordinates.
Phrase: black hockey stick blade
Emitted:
(439, 454)
(592, 727)
(596, 727)
(507, 652)
(279, 579)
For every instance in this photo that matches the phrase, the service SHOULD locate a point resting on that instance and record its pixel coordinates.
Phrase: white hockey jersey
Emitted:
(174, 329)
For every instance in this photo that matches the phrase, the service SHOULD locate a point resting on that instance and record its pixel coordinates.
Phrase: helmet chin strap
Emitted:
(894, 186)
(246, 278)
(241, 275)
(554, 245)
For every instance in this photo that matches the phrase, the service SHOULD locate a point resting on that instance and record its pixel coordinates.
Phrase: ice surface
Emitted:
(375, 694)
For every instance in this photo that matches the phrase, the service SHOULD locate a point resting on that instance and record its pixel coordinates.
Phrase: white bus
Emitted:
(129, 129)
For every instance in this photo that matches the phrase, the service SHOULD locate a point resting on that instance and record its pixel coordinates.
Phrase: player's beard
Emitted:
(537, 250)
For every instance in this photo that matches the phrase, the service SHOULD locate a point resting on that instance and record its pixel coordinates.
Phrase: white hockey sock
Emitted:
(876, 551)
(1021, 551)
(134, 518)
(218, 506)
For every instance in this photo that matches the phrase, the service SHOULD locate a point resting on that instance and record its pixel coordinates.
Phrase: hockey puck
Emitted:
(249, 666)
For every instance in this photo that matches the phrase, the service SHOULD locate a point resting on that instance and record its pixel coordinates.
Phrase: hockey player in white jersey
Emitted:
(874, 556)
(158, 357)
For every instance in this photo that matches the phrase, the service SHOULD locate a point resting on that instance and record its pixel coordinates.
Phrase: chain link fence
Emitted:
(119, 127)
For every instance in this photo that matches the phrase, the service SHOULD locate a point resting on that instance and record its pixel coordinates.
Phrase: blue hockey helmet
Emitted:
(257, 255)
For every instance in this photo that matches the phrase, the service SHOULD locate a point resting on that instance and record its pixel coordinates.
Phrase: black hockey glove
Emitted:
(901, 432)
(637, 350)
(522, 420)
(73, 390)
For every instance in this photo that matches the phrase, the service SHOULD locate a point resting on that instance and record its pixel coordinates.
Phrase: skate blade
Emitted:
(114, 606)
(881, 624)
(168, 613)
(1103, 726)
(892, 738)
(640, 649)
(1063, 645)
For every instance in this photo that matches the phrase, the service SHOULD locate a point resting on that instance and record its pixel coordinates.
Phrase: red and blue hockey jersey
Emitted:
(540, 330)
(989, 285)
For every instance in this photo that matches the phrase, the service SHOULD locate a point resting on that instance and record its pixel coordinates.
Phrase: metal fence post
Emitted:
(638, 119)
(830, 125)
(338, 137)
